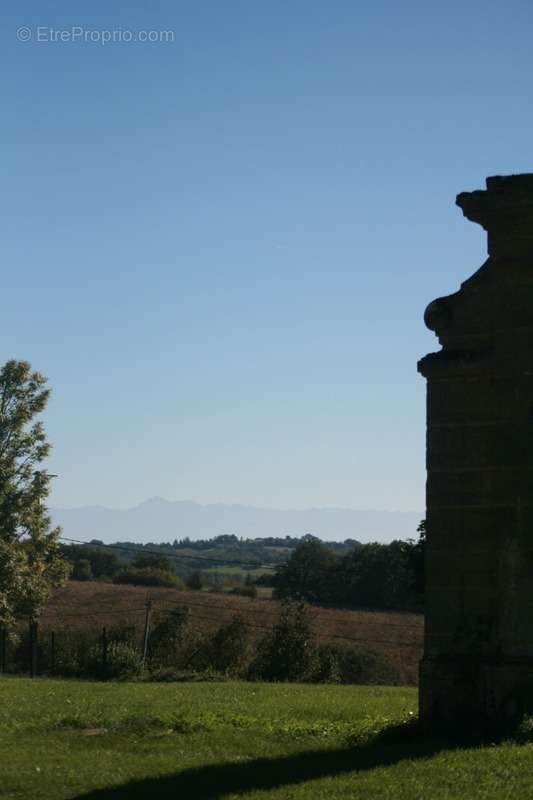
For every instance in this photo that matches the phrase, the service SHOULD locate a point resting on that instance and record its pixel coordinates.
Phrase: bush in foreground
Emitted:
(168, 636)
(228, 651)
(289, 651)
(343, 663)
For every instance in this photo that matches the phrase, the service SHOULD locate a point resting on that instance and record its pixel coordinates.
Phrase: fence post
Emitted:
(33, 647)
(146, 630)
(104, 648)
(3, 650)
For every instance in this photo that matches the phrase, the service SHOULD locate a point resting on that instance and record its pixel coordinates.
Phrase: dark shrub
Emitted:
(195, 580)
(123, 662)
(329, 664)
(228, 651)
(81, 653)
(168, 636)
(343, 663)
(289, 651)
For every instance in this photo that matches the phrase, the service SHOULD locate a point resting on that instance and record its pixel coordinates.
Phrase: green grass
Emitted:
(205, 741)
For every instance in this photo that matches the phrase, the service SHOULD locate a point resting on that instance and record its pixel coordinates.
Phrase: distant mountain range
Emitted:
(159, 520)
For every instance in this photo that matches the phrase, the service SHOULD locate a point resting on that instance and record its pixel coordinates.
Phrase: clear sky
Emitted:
(219, 248)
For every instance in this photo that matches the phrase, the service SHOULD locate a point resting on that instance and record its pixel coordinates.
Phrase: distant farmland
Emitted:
(92, 605)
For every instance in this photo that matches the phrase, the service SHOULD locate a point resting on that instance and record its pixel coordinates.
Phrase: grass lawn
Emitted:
(200, 741)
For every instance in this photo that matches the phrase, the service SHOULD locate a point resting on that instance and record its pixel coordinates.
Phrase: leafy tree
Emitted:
(30, 560)
(104, 563)
(377, 576)
(417, 554)
(82, 570)
(309, 574)
(195, 580)
(152, 561)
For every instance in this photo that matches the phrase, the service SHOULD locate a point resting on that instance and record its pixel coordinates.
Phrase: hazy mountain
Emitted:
(158, 520)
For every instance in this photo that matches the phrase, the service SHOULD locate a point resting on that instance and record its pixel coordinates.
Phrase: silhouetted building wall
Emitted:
(478, 655)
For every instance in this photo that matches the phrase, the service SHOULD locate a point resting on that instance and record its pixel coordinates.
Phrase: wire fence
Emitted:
(58, 646)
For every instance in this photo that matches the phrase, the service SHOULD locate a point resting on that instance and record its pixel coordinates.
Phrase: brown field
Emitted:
(91, 605)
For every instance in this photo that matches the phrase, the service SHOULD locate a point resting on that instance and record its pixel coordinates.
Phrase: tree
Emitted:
(82, 570)
(309, 574)
(103, 563)
(152, 561)
(417, 553)
(30, 560)
(377, 576)
(195, 580)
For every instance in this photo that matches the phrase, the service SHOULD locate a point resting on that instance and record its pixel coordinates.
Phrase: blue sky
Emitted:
(219, 249)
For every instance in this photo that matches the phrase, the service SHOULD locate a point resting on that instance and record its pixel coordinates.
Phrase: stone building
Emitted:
(478, 653)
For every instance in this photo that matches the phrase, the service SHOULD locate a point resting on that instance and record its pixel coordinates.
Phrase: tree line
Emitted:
(387, 576)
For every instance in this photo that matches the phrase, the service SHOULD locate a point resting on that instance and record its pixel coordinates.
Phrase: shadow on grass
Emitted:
(216, 780)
